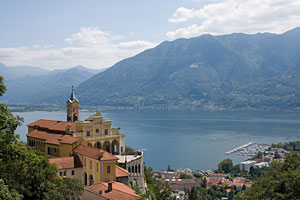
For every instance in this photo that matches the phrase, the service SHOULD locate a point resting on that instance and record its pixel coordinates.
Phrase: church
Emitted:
(88, 150)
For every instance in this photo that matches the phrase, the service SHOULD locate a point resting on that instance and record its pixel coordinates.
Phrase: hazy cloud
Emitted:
(228, 16)
(91, 47)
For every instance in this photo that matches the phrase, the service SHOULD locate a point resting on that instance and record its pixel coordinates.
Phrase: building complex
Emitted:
(90, 150)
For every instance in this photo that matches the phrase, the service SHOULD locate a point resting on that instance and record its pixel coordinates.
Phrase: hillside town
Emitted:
(95, 153)
(236, 181)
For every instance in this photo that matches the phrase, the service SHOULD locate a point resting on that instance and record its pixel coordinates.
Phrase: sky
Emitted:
(59, 34)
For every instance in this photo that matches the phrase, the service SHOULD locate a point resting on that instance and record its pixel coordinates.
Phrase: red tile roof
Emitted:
(66, 162)
(53, 138)
(119, 191)
(120, 172)
(97, 154)
(91, 195)
(54, 125)
(217, 175)
(89, 119)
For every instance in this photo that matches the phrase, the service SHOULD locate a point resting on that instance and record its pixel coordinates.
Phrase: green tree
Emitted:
(22, 171)
(280, 181)
(6, 194)
(225, 166)
(66, 189)
(231, 195)
(129, 149)
(169, 169)
(184, 176)
(156, 189)
(198, 175)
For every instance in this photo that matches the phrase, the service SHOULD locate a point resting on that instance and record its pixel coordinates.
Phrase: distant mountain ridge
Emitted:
(236, 71)
(33, 85)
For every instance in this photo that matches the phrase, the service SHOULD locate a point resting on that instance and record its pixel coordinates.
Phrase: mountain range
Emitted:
(34, 85)
(235, 71)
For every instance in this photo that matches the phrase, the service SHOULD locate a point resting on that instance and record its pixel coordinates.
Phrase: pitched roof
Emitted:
(53, 138)
(119, 191)
(120, 172)
(91, 195)
(66, 162)
(97, 154)
(72, 97)
(54, 125)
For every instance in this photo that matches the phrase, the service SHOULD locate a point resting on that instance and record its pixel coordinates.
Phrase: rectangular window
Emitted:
(108, 169)
(106, 131)
(60, 173)
(65, 173)
(88, 133)
(73, 172)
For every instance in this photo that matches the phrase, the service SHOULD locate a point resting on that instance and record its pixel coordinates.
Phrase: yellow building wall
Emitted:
(65, 150)
(39, 145)
(109, 176)
(92, 169)
(52, 146)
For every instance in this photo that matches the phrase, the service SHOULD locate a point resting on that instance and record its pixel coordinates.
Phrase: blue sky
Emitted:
(56, 34)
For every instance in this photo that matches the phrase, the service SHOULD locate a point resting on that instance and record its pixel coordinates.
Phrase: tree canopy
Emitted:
(225, 166)
(25, 174)
(280, 181)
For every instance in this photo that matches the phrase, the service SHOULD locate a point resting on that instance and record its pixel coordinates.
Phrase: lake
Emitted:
(187, 138)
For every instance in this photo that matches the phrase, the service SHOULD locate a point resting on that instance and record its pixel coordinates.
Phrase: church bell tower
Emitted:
(72, 108)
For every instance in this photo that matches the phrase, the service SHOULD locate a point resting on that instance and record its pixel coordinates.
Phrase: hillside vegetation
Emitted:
(236, 71)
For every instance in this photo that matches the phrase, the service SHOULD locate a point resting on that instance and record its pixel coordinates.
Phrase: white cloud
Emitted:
(91, 47)
(228, 16)
(136, 44)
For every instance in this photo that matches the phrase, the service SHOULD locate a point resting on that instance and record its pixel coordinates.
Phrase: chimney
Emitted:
(109, 186)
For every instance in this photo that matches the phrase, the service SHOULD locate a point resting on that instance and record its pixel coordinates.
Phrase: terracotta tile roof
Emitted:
(119, 191)
(66, 162)
(91, 195)
(89, 119)
(53, 138)
(94, 153)
(54, 125)
(120, 172)
(217, 175)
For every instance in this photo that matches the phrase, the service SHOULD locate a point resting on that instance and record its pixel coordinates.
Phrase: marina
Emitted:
(249, 149)
(239, 148)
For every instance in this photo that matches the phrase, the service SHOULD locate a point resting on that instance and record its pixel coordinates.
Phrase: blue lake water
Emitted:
(189, 139)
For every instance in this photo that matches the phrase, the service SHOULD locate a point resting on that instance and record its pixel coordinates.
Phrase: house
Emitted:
(70, 167)
(245, 166)
(182, 184)
(113, 191)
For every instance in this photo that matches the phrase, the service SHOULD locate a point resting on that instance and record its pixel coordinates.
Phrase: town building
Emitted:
(87, 150)
(59, 138)
(70, 167)
(182, 184)
(133, 162)
(245, 166)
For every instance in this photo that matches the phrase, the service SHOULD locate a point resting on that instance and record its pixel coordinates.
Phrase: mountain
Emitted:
(53, 87)
(234, 71)
(20, 71)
